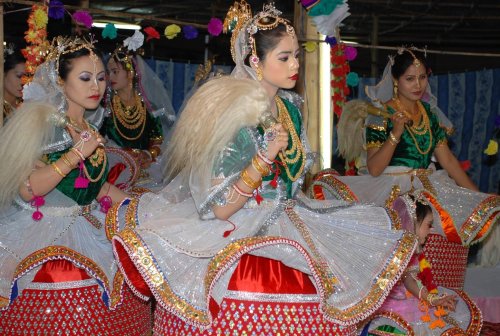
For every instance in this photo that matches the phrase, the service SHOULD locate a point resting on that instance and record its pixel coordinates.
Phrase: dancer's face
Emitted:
(412, 84)
(424, 229)
(280, 67)
(13, 86)
(85, 83)
(119, 77)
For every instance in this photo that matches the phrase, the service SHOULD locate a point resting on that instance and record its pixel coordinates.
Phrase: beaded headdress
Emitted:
(123, 55)
(410, 200)
(62, 45)
(243, 26)
(416, 61)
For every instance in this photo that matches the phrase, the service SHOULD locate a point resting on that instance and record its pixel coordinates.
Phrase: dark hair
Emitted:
(266, 40)
(65, 60)
(12, 59)
(403, 61)
(421, 211)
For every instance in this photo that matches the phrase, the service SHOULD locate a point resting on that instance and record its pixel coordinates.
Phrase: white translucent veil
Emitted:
(241, 50)
(154, 93)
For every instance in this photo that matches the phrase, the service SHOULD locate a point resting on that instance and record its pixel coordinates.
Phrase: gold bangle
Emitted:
(57, 170)
(430, 298)
(249, 182)
(392, 142)
(393, 138)
(264, 171)
(67, 162)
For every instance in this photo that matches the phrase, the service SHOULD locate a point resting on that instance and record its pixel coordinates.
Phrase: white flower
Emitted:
(135, 41)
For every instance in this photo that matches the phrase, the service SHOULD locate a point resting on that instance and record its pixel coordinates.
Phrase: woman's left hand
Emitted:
(449, 302)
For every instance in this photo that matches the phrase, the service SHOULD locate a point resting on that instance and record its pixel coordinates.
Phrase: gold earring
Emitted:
(258, 70)
(395, 89)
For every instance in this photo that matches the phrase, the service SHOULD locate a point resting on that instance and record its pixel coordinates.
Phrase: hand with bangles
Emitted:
(87, 141)
(399, 120)
(447, 301)
(277, 140)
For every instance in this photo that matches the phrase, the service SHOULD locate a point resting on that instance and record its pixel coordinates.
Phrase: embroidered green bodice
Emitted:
(406, 152)
(67, 184)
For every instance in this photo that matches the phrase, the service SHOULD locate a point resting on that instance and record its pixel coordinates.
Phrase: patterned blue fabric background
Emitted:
(471, 100)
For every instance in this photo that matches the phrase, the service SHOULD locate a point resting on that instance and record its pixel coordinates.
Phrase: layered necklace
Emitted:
(421, 124)
(130, 117)
(296, 150)
(7, 108)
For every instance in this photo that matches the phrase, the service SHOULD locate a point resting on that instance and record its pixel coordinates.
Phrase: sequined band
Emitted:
(381, 287)
(479, 223)
(60, 252)
(146, 265)
(393, 214)
(321, 266)
(111, 223)
(396, 319)
(476, 320)
(252, 296)
(61, 285)
(87, 214)
(4, 302)
(131, 213)
(332, 185)
(116, 294)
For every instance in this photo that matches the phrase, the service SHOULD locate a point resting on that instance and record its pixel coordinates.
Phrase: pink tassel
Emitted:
(37, 202)
(81, 182)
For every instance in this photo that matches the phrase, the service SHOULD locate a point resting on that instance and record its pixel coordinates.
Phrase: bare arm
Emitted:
(448, 301)
(377, 159)
(450, 163)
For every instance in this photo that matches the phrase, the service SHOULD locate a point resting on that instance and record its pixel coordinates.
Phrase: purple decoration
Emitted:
(84, 18)
(56, 9)
(331, 40)
(214, 26)
(350, 53)
(189, 32)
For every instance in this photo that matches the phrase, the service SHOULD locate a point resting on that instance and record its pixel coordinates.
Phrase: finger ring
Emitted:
(85, 136)
(270, 135)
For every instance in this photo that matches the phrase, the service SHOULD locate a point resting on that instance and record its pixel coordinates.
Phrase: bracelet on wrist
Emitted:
(393, 138)
(263, 171)
(249, 181)
(57, 169)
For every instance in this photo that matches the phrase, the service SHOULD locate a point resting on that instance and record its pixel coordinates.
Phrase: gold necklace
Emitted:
(422, 126)
(7, 108)
(129, 117)
(97, 158)
(296, 147)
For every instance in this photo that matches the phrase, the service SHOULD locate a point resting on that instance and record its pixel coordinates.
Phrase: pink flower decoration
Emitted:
(350, 53)
(215, 26)
(84, 18)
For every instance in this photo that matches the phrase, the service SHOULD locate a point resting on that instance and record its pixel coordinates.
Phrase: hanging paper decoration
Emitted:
(56, 10)
(326, 15)
(189, 32)
(152, 33)
(109, 31)
(214, 26)
(350, 53)
(171, 31)
(36, 38)
(40, 18)
(331, 40)
(492, 148)
(310, 46)
(83, 18)
(340, 69)
(352, 79)
(135, 41)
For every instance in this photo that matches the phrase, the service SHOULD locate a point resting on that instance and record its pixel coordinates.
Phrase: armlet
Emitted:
(374, 144)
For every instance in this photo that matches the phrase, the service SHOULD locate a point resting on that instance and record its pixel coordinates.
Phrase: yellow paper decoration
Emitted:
(41, 18)
(492, 148)
(310, 46)
(171, 31)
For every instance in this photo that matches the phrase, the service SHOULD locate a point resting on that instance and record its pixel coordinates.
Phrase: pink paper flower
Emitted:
(84, 18)
(215, 26)
(350, 53)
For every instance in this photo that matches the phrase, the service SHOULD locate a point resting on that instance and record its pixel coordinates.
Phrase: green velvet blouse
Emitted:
(66, 186)
(406, 152)
(152, 130)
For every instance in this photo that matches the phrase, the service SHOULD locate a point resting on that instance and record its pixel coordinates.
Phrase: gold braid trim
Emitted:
(116, 294)
(374, 144)
(4, 302)
(396, 220)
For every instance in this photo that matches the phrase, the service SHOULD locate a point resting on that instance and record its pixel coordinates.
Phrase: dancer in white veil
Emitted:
(57, 271)
(232, 236)
(139, 112)
(400, 145)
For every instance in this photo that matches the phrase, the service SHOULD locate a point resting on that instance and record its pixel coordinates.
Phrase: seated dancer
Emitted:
(57, 270)
(13, 72)
(138, 109)
(400, 142)
(416, 306)
(231, 244)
